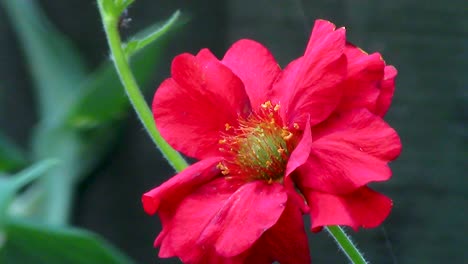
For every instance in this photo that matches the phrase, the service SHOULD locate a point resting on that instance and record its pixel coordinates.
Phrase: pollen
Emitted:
(286, 135)
(224, 170)
(266, 105)
(258, 148)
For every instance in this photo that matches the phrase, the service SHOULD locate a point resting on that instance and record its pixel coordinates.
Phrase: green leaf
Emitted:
(11, 157)
(9, 186)
(27, 242)
(150, 35)
(56, 66)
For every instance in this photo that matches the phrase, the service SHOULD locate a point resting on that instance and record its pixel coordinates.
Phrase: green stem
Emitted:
(110, 15)
(110, 22)
(346, 245)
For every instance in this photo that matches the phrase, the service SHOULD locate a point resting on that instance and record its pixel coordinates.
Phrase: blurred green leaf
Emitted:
(102, 98)
(9, 186)
(150, 35)
(11, 157)
(56, 66)
(27, 242)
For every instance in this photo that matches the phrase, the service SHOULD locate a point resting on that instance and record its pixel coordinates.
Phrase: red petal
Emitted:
(285, 242)
(255, 66)
(364, 75)
(301, 152)
(179, 186)
(181, 233)
(335, 167)
(362, 131)
(362, 208)
(311, 85)
(386, 91)
(245, 216)
(192, 107)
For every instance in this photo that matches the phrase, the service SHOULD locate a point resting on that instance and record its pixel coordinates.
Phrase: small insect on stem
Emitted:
(124, 20)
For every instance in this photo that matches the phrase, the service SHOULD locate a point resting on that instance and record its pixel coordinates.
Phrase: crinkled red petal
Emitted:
(364, 76)
(363, 131)
(302, 151)
(255, 66)
(244, 217)
(361, 208)
(335, 167)
(285, 242)
(348, 152)
(386, 91)
(189, 218)
(312, 84)
(178, 187)
(197, 102)
(222, 219)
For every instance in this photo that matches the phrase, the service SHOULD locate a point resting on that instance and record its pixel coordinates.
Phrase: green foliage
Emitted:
(150, 35)
(9, 186)
(11, 157)
(56, 66)
(79, 112)
(28, 242)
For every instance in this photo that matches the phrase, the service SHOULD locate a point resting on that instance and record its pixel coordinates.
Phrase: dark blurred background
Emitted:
(426, 40)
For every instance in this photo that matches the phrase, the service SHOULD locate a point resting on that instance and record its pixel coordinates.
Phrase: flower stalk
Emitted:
(345, 244)
(110, 18)
(110, 12)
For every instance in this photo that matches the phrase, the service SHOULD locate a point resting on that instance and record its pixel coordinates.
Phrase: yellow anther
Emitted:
(227, 126)
(288, 136)
(222, 141)
(268, 163)
(296, 125)
(223, 168)
(277, 107)
(266, 105)
(280, 150)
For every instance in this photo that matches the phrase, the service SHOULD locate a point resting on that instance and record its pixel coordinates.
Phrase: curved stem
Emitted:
(137, 100)
(346, 245)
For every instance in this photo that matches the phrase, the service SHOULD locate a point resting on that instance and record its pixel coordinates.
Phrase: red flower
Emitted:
(273, 144)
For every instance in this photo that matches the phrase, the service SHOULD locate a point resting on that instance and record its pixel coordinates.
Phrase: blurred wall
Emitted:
(428, 43)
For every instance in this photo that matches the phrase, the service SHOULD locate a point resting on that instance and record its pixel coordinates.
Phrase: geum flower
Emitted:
(273, 144)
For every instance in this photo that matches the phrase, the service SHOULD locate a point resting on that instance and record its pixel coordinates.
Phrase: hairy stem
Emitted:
(346, 245)
(110, 20)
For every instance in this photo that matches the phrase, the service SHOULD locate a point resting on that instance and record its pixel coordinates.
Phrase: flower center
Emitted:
(259, 148)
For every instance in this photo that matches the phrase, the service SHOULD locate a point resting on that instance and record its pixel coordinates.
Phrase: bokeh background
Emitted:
(426, 40)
